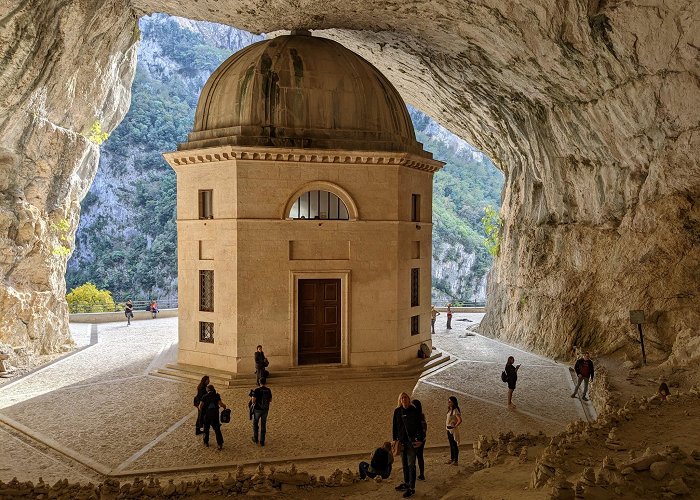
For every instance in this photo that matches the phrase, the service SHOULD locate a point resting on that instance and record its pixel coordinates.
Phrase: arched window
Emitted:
(319, 205)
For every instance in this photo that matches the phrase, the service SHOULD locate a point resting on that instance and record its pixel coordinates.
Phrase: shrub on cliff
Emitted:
(87, 298)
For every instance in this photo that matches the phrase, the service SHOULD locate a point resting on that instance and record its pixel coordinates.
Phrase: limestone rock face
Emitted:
(63, 66)
(589, 108)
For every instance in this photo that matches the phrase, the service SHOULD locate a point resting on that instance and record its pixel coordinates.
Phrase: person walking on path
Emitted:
(129, 312)
(434, 313)
(262, 396)
(512, 378)
(449, 316)
(407, 431)
(454, 420)
(584, 371)
(201, 391)
(380, 462)
(209, 405)
(421, 448)
(261, 363)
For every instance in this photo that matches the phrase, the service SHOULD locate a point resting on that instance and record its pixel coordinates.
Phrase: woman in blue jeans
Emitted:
(407, 430)
(454, 420)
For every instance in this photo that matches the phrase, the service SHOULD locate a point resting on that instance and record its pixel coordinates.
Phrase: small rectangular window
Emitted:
(415, 325)
(206, 291)
(415, 287)
(205, 204)
(415, 207)
(206, 332)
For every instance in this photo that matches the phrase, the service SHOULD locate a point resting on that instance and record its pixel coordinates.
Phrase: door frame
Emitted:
(344, 277)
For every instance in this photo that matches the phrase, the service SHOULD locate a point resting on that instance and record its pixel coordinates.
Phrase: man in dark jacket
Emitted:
(380, 462)
(407, 429)
(260, 364)
(584, 371)
(209, 406)
(261, 398)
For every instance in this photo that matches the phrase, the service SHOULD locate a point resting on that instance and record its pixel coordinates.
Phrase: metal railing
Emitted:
(139, 305)
(456, 303)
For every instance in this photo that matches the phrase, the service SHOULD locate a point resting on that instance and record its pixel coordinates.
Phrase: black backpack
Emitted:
(504, 376)
(226, 416)
(264, 403)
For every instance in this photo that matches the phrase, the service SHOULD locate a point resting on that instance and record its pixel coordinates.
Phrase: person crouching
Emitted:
(380, 462)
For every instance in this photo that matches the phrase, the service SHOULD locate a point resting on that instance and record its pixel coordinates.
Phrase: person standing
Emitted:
(434, 313)
(201, 391)
(262, 396)
(261, 363)
(584, 372)
(209, 405)
(408, 432)
(380, 462)
(511, 378)
(129, 312)
(454, 420)
(153, 308)
(449, 316)
(421, 448)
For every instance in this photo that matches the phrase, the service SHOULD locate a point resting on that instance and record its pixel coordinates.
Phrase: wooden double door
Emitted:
(319, 317)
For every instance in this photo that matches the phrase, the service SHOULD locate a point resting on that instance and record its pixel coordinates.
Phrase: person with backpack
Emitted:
(421, 448)
(510, 376)
(209, 405)
(380, 462)
(584, 372)
(201, 391)
(262, 396)
(407, 432)
(454, 420)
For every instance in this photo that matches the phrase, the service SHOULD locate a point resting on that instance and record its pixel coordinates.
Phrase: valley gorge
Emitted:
(588, 107)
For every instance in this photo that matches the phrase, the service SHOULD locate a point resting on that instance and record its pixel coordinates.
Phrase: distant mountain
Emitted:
(127, 241)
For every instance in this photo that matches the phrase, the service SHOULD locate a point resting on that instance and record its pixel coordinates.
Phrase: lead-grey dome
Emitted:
(301, 91)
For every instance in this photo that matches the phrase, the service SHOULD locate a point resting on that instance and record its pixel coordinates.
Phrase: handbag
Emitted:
(226, 416)
(396, 448)
(266, 363)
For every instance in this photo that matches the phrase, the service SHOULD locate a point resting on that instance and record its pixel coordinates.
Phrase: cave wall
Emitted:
(63, 66)
(589, 107)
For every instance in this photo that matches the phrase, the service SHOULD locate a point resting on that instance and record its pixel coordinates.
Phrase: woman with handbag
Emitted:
(201, 391)
(407, 432)
(454, 420)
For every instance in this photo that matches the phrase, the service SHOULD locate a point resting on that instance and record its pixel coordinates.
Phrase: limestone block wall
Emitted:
(589, 107)
(257, 256)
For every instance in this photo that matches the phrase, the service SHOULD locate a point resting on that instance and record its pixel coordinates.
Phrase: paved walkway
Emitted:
(99, 410)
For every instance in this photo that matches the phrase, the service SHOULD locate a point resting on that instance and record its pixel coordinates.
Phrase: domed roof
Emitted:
(303, 92)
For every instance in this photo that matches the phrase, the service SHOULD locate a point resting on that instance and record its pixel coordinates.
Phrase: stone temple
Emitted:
(304, 214)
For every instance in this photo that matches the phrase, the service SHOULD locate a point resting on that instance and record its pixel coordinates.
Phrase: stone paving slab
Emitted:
(27, 463)
(100, 403)
(303, 421)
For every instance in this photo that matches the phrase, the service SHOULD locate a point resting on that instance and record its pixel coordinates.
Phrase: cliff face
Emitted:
(64, 65)
(589, 107)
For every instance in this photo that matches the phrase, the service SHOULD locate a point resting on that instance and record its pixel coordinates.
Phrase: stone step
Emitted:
(311, 374)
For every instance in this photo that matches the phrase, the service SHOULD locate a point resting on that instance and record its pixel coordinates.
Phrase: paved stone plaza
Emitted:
(99, 410)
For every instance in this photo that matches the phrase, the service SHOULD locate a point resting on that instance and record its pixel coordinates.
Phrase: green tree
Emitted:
(492, 227)
(87, 298)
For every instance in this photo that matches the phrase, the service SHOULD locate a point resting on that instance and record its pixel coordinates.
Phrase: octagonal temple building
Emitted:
(303, 213)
